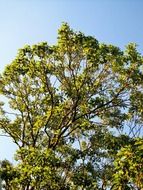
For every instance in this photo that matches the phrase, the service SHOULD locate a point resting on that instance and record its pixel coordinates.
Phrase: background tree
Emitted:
(129, 167)
(66, 100)
(7, 174)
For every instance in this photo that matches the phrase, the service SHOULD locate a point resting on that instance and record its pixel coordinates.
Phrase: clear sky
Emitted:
(23, 22)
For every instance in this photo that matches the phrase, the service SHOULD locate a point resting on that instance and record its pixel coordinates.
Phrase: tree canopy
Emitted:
(75, 114)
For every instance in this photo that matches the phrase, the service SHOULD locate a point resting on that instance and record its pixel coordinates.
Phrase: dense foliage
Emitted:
(74, 110)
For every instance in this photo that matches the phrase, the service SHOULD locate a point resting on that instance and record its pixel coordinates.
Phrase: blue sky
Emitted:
(23, 22)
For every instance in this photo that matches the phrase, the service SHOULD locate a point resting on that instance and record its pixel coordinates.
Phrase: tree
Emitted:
(7, 174)
(65, 100)
(129, 167)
